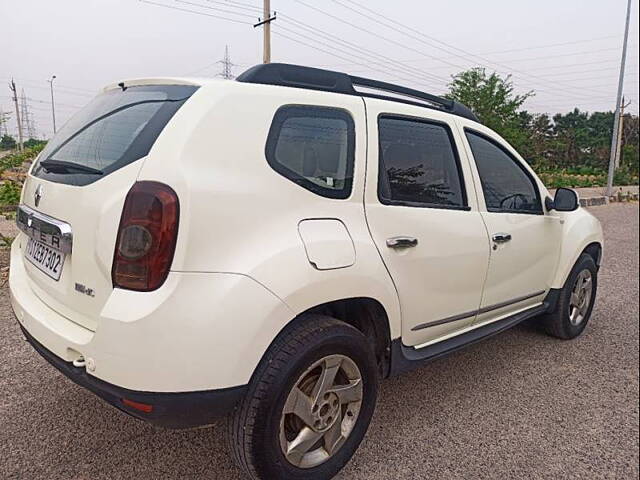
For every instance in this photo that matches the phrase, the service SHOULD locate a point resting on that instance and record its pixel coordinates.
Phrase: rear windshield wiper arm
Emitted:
(51, 165)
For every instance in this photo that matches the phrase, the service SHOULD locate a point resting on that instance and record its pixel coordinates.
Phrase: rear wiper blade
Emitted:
(51, 165)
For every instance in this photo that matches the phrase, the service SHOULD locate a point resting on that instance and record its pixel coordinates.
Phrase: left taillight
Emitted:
(146, 237)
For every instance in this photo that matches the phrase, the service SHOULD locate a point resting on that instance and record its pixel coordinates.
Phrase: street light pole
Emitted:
(616, 121)
(53, 106)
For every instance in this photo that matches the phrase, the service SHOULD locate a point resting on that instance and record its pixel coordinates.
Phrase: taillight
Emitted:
(146, 237)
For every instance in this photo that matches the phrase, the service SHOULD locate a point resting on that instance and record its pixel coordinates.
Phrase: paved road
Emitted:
(520, 405)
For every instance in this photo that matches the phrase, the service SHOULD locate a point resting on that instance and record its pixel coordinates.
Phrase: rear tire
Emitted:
(309, 403)
(576, 301)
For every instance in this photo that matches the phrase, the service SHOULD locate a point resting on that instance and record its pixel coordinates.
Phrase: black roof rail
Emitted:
(329, 81)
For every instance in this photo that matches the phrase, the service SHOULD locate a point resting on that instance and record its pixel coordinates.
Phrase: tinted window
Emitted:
(506, 185)
(114, 129)
(418, 164)
(313, 147)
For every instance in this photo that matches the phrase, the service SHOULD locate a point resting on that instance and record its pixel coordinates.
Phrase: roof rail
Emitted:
(329, 81)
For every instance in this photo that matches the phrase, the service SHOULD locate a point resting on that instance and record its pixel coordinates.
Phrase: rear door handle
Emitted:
(501, 237)
(402, 242)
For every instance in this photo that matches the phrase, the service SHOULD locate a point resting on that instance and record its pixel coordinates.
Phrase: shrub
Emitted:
(10, 193)
(16, 159)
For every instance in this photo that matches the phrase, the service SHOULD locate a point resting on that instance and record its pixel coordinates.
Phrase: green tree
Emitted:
(583, 139)
(7, 142)
(34, 142)
(535, 140)
(494, 101)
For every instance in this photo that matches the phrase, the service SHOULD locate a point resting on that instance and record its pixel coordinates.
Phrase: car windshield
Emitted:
(116, 128)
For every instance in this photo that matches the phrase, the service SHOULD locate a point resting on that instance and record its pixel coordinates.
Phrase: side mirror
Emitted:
(566, 200)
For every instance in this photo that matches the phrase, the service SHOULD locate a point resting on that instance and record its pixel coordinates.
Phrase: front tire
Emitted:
(309, 403)
(576, 301)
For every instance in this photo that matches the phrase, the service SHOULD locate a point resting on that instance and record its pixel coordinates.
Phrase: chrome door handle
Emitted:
(501, 237)
(402, 242)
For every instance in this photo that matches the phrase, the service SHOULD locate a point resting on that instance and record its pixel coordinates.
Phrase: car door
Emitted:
(422, 213)
(525, 240)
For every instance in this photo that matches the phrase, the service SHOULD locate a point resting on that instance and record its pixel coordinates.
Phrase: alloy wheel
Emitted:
(321, 411)
(580, 297)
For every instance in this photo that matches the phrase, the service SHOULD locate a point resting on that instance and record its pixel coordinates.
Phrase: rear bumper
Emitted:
(170, 410)
(184, 337)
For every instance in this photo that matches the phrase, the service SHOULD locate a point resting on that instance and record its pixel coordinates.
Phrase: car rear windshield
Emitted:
(116, 128)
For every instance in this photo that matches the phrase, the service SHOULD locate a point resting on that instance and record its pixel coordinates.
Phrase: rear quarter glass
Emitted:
(115, 129)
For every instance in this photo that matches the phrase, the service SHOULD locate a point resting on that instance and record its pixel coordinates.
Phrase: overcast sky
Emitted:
(567, 51)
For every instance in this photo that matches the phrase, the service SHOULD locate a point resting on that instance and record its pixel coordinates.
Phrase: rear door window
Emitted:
(313, 147)
(116, 128)
(418, 164)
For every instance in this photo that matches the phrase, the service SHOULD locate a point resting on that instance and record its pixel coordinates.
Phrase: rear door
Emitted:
(423, 217)
(525, 240)
(79, 184)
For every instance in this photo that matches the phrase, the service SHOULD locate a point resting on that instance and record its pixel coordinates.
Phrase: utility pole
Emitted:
(616, 121)
(53, 106)
(266, 12)
(623, 107)
(226, 65)
(266, 30)
(12, 87)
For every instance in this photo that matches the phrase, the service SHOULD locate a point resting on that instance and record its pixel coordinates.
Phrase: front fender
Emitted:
(581, 229)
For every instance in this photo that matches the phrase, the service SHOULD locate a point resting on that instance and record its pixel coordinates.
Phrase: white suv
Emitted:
(270, 247)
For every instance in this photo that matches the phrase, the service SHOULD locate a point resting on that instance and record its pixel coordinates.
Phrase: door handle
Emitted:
(501, 237)
(402, 242)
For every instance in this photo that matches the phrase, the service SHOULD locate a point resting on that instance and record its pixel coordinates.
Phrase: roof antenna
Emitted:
(121, 85)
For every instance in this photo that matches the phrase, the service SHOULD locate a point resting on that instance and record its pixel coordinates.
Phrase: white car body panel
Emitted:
(255, 250)
(444, 274)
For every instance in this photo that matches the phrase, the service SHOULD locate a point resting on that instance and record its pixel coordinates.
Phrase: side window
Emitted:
(313, 147)
(506, 185)
(418, 164)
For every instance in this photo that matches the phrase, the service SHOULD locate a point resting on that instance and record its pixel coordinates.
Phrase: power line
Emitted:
(551, 45)
(239, 5)
(421, 74)
(408, 70)
(613, 71)
(247, 8)
(369, 62)
(358, 27)
(466, 55)
(217, 9)
(171, 7)
(519, 59)
(315, 47)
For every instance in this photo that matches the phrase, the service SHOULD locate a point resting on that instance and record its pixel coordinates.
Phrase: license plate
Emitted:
(47, 259)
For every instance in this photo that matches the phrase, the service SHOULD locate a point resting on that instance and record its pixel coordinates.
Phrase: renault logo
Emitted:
(37, 195)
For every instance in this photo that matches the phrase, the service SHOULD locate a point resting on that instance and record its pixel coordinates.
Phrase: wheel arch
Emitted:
(366, 314)
(583, 234)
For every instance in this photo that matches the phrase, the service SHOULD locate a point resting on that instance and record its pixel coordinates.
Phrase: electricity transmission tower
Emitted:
(226, 65)
(4, 119)
(28, 124)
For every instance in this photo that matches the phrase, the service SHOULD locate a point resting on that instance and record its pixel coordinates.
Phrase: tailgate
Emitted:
(89, 216)
(72, 200)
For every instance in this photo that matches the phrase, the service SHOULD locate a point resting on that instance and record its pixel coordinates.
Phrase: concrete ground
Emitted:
(519, 405)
